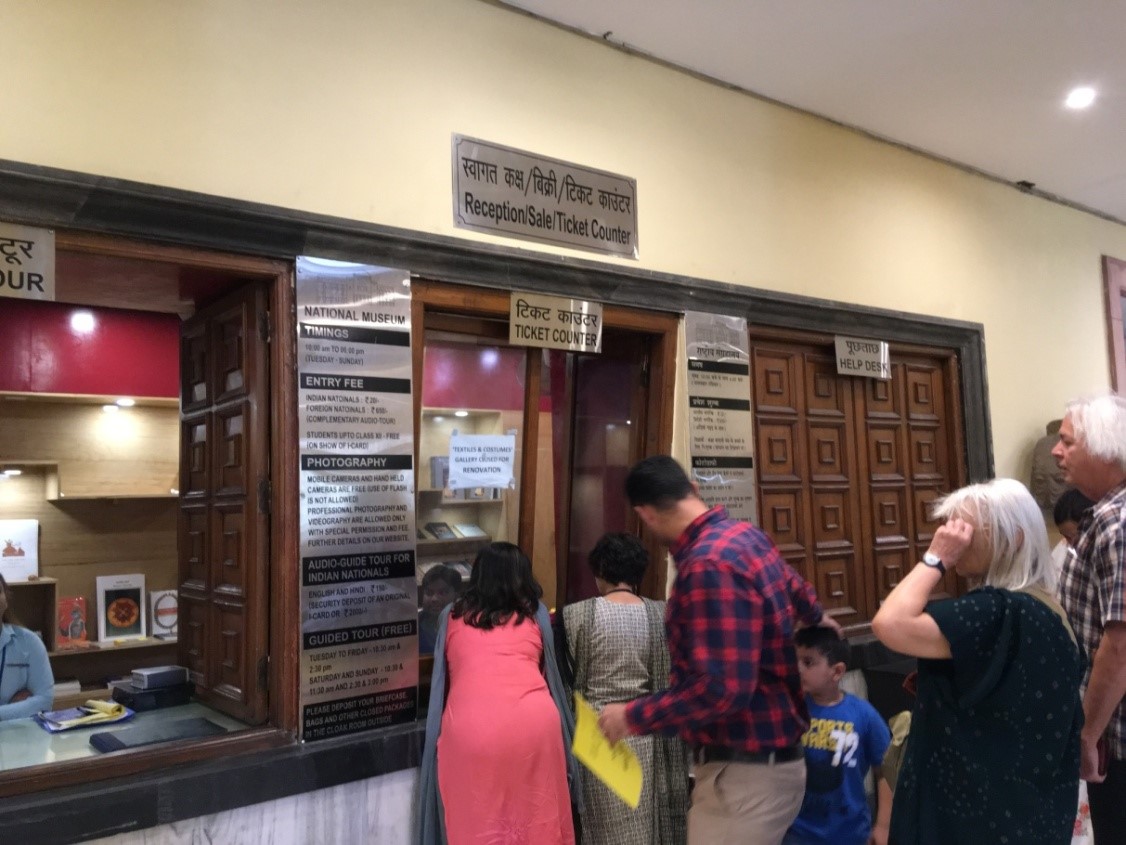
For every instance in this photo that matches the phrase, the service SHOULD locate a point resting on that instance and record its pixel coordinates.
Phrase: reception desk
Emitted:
(24, 743)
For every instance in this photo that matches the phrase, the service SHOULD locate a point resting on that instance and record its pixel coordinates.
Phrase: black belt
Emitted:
(719, 754)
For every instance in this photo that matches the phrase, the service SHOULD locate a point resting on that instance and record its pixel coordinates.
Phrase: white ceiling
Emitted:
(978, 82)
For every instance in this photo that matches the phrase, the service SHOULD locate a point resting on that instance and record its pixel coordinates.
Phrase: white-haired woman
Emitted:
(993, 753)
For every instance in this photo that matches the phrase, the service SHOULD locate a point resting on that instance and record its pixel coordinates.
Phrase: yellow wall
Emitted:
(346, 107)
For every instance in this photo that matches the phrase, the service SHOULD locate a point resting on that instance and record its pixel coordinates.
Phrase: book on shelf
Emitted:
(164, 606)
(440, 531)
(72, 621)
(67, 686)
(440, 471)
(469, 530)
(121, 607)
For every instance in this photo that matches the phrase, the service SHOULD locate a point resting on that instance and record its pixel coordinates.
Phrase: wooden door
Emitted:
(604, 433)
(910, 433)
(848, 467)
(223, 531)
(807, 471)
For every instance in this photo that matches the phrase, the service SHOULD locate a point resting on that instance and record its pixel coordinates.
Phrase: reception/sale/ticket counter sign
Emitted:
(359, 601)
(505, 191)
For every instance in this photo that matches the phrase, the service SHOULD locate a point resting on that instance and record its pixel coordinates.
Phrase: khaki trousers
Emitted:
(745, 803)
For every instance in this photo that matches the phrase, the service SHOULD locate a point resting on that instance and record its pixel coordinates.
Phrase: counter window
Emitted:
(136, 514)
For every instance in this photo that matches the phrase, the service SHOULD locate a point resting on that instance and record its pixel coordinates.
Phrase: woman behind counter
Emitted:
(26, 682)
(993, 750)
(616, 651)
(497, 764)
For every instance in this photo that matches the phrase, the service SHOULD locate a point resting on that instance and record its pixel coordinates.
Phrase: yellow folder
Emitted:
(615, 765)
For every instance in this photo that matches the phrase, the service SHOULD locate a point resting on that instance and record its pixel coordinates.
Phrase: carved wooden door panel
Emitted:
(807, 470)
(848, 467)
(224, 503)
(911, 458)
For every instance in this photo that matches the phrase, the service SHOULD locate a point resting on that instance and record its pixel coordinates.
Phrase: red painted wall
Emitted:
(457, 375)
(124, 353)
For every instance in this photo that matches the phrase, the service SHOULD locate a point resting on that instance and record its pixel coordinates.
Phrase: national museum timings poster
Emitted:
(359, 600)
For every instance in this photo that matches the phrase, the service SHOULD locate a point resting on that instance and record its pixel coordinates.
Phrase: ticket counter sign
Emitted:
(555, 322)
(27, 262)
(359, 598)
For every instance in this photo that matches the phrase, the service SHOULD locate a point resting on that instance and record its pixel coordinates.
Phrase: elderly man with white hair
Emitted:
(1092, 454)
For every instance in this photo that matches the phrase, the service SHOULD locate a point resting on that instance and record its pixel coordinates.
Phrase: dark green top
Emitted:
(993, 754)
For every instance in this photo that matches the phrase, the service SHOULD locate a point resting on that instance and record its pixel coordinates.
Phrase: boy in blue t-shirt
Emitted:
(846, 737)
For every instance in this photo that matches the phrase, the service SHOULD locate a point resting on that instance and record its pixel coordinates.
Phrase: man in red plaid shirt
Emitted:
(735, 693)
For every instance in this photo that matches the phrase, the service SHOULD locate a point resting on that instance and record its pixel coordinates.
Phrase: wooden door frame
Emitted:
(284, 575)
(430, 295)
(285, 569)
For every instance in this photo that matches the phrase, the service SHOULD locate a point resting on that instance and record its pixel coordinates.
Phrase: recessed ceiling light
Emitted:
(461, 413)
(126, 402)
(82, 322)
(1080, 98)
(8, 472)
(110, 409)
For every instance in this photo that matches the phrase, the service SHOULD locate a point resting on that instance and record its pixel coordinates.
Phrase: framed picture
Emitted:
(19, 549)
(121, 607)
(1114, 279)
(164, 613)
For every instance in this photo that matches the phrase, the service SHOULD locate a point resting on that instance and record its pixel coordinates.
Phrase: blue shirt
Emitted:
(844, 740)
(25, 667)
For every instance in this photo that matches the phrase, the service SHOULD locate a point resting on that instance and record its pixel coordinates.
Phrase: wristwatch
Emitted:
(935, 561)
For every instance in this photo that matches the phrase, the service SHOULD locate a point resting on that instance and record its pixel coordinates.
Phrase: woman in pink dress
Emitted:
(498, 731)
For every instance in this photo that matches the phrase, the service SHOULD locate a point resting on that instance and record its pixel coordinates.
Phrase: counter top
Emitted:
(24, 743)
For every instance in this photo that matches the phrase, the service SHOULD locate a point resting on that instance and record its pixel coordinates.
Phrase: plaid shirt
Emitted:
(1093, 591)
(730, 623)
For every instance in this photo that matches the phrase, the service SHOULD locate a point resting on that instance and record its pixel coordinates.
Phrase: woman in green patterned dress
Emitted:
(616, 652)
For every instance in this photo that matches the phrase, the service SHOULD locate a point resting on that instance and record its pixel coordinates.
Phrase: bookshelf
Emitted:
(34, 603)
(95, 665)
(489, 510)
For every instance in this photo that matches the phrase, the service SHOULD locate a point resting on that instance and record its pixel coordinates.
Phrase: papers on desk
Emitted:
(93, 712)
(615, 765)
